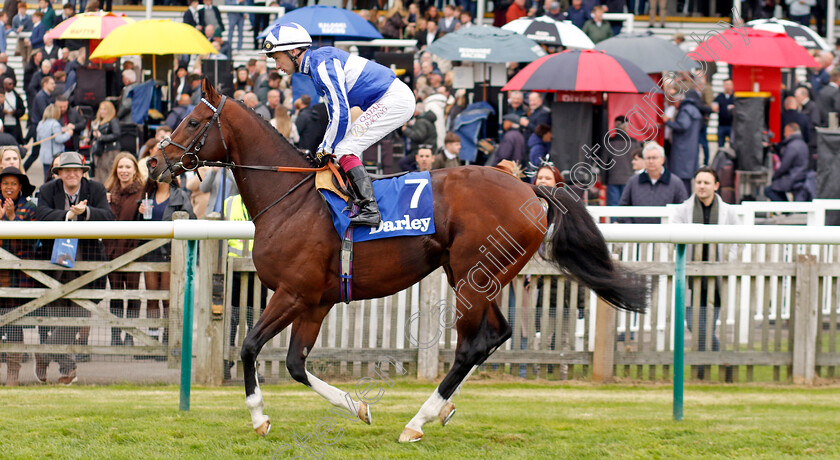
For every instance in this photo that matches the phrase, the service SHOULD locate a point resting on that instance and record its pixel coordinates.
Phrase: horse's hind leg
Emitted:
(305, 331)
(481, 330)
(280, 312)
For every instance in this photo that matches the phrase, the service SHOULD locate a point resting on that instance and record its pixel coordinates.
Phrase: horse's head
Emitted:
(198, 138)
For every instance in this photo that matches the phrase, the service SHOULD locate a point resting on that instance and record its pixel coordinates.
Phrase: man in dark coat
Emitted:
(812, 110)
(829, 97)
(655, 186)
(191, 16)
(69, 115)
(42, 99)
(538, 114)
(205, 18)
(71, 197)
(512, 145)
(617, 161)
(311, 123)
(421, 131)
(791, 114)
(179, 112)
(793, 170)
(685, 139)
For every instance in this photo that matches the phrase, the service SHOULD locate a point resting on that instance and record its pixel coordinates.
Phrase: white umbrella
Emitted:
(805, 36)
(547, 31)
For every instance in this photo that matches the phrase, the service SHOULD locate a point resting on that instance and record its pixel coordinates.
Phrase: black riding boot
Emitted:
(368, 214)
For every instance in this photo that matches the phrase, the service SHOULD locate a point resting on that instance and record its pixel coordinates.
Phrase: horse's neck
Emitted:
(258, 146)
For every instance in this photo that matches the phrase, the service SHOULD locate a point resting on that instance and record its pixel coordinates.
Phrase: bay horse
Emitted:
(482, 239)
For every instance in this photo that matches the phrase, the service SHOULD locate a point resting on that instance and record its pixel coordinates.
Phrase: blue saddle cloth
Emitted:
(406, 205)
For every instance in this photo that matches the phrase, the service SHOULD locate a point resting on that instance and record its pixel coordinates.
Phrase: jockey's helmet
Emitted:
(285, 37)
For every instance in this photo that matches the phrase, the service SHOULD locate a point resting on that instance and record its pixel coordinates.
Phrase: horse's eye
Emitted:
(193, 123)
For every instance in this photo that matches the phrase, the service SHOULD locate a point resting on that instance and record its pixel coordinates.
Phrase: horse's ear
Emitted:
(208, 90)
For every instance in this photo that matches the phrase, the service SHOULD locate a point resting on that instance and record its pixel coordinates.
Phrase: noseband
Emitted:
(190, 152)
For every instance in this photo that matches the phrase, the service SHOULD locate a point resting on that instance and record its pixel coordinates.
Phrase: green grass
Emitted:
(495, 420)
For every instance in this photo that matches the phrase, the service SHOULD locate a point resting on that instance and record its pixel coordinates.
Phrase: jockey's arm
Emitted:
(331, 74)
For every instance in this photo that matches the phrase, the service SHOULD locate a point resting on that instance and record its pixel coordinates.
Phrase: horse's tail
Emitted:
(579, 248)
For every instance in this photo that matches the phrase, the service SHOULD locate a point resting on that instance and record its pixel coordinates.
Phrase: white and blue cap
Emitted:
(285, 37)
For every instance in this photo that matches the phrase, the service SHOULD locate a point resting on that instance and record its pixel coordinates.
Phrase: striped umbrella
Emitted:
(805, 36)
(546, 31)
(753, 47)
(582, 70)
(88, 26)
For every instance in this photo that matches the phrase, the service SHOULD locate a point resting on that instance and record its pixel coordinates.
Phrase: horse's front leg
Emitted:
(305, 331)
(279, 313)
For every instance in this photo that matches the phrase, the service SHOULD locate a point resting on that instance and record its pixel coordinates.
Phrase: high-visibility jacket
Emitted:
(236, 211)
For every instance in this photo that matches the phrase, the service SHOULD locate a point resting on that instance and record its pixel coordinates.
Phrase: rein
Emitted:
(191, 154)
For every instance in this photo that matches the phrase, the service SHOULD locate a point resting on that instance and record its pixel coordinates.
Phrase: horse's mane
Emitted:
(267, 126)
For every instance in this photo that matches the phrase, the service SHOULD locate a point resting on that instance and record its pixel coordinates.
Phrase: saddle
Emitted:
(334, 180)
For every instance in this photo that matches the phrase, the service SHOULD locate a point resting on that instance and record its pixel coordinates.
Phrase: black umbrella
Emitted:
(651, 53)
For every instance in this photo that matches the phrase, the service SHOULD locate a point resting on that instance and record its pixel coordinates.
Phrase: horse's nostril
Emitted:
(152, 163)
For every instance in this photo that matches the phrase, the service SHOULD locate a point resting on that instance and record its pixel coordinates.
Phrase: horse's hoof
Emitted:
(409, 435)
(364, 412)
(446, 413)
(263, 429)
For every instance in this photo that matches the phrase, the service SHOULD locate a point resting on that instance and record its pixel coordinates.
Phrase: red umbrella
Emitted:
(582, 70)
(753, 47)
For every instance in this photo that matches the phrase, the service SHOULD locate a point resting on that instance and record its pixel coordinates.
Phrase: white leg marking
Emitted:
(255, 406)
(429, 411)
(332, 394)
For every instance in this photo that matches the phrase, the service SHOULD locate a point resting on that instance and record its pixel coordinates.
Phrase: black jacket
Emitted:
(51, 208)
(110, 139)
(190, 19)
(794, 166)
(312, 124)
(179, 200)
(801, 119)
(422, 130)
(203, 21)
(422, 38)
(73, 116)
(42, 100)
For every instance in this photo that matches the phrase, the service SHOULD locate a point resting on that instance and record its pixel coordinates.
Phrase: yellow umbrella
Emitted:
(92, 26)
(153, 36)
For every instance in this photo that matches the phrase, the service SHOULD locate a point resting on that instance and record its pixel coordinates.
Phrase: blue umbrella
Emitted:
(328, 21)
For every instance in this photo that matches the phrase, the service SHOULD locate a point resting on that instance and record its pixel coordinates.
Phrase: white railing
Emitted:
(815, 210)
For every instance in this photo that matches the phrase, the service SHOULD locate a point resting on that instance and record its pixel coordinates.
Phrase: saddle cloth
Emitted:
(405, 202)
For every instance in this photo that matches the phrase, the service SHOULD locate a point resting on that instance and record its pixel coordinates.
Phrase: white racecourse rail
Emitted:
(616, 233)
(635, 235)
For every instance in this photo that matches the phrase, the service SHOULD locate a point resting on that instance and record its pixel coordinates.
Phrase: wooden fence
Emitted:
(88, 311)
(777, 321)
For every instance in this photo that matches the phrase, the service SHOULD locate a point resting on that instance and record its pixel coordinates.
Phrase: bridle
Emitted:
(190, 153)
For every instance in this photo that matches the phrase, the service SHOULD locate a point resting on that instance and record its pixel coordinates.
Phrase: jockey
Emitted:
(345, 81)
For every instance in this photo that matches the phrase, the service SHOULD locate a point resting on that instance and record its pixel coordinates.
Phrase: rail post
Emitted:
(679, 331)
(186, 333)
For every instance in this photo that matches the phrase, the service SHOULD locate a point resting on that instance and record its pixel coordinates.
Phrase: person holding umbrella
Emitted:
(346, 81)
